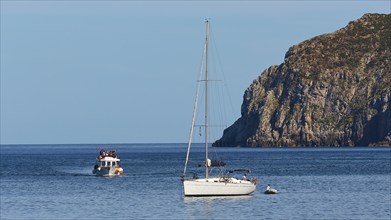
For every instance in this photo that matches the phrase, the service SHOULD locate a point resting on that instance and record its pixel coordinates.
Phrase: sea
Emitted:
(56, 182)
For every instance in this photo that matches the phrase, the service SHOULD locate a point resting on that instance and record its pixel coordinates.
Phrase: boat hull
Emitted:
(106, 171)
(216, 187)
(271, 191)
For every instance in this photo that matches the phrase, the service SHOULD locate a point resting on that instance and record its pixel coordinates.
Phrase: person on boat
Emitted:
(244, 177)
(268, 187)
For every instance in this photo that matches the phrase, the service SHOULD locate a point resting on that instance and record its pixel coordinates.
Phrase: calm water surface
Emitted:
(56, 182)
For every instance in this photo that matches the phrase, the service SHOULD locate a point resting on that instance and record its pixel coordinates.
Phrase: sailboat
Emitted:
(222, 184)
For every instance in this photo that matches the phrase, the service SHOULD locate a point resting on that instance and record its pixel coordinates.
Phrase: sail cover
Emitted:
(215, 163)
(240, 170)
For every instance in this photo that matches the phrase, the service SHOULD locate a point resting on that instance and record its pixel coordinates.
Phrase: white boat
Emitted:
(271, 191)
(222, 184)
(107, 164)
(218, 186)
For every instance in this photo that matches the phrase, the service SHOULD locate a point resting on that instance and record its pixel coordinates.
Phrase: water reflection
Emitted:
(212, 199)
(214, 206)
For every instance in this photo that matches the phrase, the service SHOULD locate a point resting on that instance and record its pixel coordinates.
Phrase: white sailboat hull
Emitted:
(217, 187)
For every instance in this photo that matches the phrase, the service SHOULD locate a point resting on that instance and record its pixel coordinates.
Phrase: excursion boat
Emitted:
(107, 164)
(221, 184)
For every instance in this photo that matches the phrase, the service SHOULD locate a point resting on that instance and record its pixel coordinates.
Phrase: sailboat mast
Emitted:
(206, 99)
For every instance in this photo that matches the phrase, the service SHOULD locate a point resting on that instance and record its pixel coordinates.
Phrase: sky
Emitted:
(80, 72)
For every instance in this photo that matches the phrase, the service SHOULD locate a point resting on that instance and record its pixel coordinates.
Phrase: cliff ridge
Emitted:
(331, 90)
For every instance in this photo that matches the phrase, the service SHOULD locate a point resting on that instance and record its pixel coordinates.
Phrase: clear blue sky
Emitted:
(125, 71)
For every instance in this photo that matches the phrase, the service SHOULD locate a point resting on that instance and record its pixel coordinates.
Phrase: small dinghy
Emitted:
(271, 191)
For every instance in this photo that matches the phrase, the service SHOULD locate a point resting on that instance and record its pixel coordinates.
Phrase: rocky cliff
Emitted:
(331, 90)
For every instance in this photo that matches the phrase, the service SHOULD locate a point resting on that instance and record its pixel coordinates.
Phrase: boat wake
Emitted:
(72, 171)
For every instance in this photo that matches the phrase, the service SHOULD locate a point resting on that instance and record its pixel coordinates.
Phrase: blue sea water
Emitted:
(56, 182)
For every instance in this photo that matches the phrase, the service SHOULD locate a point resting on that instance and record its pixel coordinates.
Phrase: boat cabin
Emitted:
(107, 158)
(108, 162)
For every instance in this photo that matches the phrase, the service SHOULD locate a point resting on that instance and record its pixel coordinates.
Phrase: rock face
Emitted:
(331, 90)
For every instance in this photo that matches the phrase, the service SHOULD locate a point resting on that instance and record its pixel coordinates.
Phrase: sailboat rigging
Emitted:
(222, 184)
